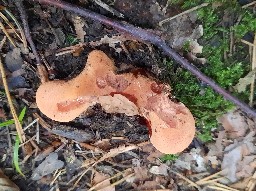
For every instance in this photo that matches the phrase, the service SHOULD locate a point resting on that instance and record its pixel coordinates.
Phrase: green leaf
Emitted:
(16, 156)
(11, 121)
(22, 114)
(6, 123)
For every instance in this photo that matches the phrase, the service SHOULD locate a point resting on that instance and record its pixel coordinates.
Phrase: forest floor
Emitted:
(112, 151)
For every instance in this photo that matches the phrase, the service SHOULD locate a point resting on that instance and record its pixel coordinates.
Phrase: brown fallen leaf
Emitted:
(2, 114)
(100, 179)
(6, 184)
(153, 154)
(141, 173)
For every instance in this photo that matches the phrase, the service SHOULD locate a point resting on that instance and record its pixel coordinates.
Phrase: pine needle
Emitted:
(7, 34)
(24, 40)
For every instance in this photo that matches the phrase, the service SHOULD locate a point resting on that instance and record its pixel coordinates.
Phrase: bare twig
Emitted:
(183, 13)
(253, 67)
(249, 4)
(19, 27)
(147, 36)
(7, 34)
(186, 179)
(108, 179)
(248, 43)
(23, 16)
(108, 8)
(119, 181)
(24, 20)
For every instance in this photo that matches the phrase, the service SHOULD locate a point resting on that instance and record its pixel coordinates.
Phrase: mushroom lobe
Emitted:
(172, 126)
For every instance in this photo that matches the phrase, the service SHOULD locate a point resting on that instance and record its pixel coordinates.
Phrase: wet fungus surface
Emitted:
(172, 125)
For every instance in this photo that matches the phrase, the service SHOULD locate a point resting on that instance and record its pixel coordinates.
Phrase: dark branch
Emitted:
(156, 40)
(24, 20)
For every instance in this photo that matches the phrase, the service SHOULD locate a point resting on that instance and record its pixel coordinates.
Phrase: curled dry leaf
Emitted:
(6, 184)
(170, 123)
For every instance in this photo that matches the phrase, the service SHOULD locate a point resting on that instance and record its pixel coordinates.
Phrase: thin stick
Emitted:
(23, 16)
(224, 186)
(10, 25)
(248, 43)
(249, 4)
(8, 95)
(183, 13)
(253, 67)
(218, 188)
(119, 181)
(7, 34)
(108, 8)
(147, 36)
(211, 181)
(209, 177)
(186, 179)
(19, 27)
(116, 175)
(29, 125)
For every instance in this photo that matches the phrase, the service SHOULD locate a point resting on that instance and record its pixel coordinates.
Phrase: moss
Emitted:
(169, 157)
(204, 103)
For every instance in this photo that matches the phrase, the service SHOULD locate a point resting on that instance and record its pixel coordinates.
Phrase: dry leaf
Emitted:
(99, 178)
(111, 41)
(244, 82)
(49, 165)
(159, 170)
(79, 24)
(141, 173)
(192, 160)
(2, 114)
(235, 153)
(245, 167)
(103, 144)
(149, 185)
(6, 184)
(242, 184)
(234, 123)
(13, 60)
(153, 153)
(194, 47)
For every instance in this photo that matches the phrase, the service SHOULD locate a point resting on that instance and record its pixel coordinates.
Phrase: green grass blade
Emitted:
(10, 122)
(16, 156)
(22, 114)
(6, 123)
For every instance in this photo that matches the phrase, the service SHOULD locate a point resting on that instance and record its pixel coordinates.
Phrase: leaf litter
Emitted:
(150, 172)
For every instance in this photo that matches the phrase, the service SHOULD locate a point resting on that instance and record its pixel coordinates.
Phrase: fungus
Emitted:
(171, 124)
